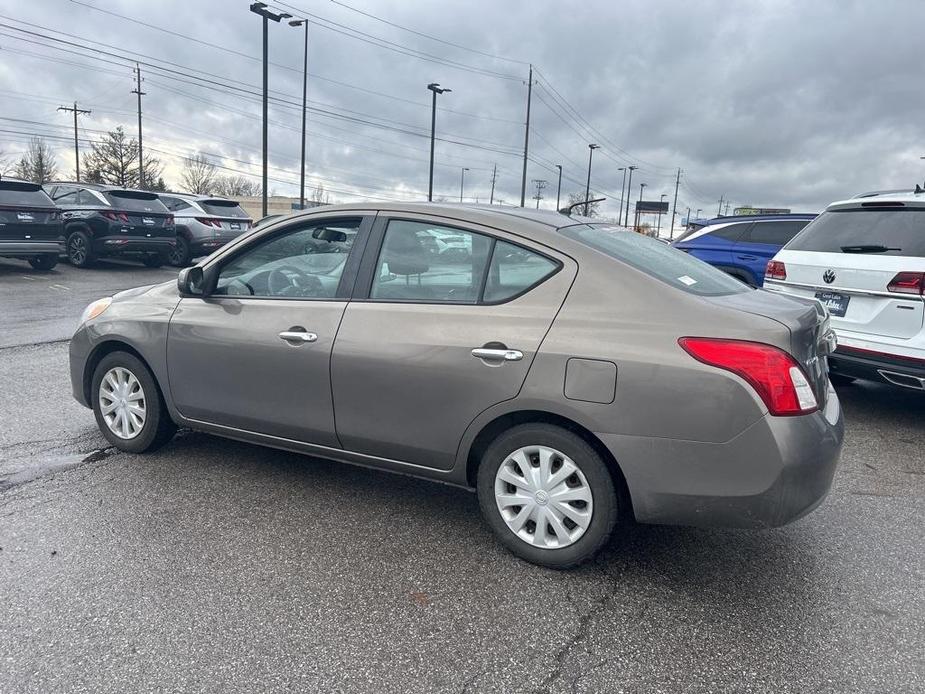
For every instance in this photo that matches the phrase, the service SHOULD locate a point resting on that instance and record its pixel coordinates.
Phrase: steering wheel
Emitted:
(297, 283)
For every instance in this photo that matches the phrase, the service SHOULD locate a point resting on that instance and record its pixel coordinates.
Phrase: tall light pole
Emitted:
(699, 210)
(622, 194)
(591, 149)
(641, 187)
(298, 23)
(658, 229)
(260, 8)
(462, 181)
(629, 188)
(559, 187)
(436, 89)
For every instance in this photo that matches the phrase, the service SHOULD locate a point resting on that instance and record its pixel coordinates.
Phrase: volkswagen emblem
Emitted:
(828, 276)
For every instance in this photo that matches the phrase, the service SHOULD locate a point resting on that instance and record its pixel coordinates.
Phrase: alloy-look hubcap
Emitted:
(543, 497)
(122, 403)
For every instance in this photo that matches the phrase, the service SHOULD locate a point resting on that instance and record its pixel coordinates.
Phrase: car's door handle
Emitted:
(498, 354)
(297, 336)
(747, 257)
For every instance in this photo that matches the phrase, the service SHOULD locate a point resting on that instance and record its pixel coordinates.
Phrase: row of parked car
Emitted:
(862, 258)
(86, 221)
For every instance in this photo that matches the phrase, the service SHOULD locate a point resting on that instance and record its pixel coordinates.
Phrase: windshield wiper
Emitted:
(867, 249)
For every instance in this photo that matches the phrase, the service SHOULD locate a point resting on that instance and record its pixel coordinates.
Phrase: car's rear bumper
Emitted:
(132, 245)
(16, 249)
(776, 471)
(874, 365)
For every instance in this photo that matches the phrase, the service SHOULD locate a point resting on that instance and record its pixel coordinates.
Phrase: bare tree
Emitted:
(6, 166)
(580, 198)
(198, 175)
(114, 160)
(236, 187)
(38, 164)
(319, 195)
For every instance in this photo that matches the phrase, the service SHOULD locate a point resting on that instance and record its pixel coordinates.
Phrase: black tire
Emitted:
(605, 510)
(79, 249)
(153, 261)
(180, 255)
(840, 380)
(158, 428)
(44, 262)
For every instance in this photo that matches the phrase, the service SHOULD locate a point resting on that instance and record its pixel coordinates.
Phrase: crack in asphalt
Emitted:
(25, 345)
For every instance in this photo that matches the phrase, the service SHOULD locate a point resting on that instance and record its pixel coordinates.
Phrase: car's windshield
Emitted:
(667, 264)
(883, 231)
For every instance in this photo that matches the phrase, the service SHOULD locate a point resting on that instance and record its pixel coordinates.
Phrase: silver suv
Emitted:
(204, 224)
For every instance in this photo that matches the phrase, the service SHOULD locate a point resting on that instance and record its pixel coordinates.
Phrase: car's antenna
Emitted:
(568, 210)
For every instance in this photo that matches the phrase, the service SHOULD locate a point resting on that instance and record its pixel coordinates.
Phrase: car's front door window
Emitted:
(305, 263)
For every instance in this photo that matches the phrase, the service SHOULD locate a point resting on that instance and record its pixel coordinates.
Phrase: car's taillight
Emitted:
(776, 270)
(908, 283)
(209, 222)
(116, 216)
(775, 375)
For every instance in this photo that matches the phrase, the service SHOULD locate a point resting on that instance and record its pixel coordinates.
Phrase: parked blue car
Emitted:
(742, 246)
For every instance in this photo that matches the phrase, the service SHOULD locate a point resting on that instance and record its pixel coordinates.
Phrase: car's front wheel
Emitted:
(548, 495)
(44, 262)
(128, 405)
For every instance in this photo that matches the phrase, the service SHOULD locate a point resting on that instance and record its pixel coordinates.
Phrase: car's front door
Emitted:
(255, 353)
(432, 338)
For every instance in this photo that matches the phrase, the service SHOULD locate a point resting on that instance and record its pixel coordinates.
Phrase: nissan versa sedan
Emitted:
(577, 375)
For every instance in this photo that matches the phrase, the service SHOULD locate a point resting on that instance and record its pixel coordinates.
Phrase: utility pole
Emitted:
(688, 216)
(622, 186)
(540, 185)
(674, 209)
(559, 187)
(726, 213)
(658, 230)
(141, 151)
(629, 187)
(298, 23)
(462, 181)
(523, 180)
(494, 177)
(719, 212)
(75, 111)
(436, 89)
(260, 8)
(591, 149)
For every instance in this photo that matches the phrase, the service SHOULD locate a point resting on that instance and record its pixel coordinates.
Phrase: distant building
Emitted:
(748, 210)
(276, 204)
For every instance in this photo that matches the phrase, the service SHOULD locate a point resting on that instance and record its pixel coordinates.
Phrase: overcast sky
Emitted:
(791, 104)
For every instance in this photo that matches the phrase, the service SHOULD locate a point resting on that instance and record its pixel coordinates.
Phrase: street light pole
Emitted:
(641, 187)
(622, 194)
(462, 181)
(436, 89)
(559, 187)
(629, 188)
(297, 23)
(591, 149)
(658, 230)
(260, 8)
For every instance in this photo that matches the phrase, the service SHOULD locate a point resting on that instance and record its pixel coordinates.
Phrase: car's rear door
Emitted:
(849, 259)
(255, 354)
(407, 374)
(714, 243)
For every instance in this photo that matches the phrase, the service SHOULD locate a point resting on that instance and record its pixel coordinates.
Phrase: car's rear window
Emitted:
(654, 258)
(23, 195)
(135, 201)
(223, 208)
(881, 231)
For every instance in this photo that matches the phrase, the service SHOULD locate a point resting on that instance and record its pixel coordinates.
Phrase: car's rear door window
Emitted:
(777, 233)
(671, 266)
(882, 231)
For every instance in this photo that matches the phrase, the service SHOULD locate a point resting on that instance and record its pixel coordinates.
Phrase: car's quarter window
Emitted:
(175, 204)
(425, 262)
(732, 232)
(303, 263)
(514, 270)
(65, 195)
(774, 233)
(654, 258)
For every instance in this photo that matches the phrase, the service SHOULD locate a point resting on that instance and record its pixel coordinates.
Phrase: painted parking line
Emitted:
(59, 287)
(29, 277)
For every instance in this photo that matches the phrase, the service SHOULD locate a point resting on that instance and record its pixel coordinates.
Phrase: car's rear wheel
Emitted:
(548, 495)
(179, 255)
(128, 405)
(80, 249)
(44, 262)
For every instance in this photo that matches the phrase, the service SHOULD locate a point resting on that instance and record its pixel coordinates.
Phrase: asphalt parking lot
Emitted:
(223, 567)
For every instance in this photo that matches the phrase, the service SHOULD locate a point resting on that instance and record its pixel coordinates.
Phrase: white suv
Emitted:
(864, 259)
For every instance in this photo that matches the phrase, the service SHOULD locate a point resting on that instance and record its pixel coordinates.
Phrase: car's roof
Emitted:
(886, 198)
(191, 196)
(758, 218)
(489, 215)
(102, 187)
(10, 179)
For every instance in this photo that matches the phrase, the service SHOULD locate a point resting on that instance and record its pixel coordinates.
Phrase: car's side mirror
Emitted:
(191, 281)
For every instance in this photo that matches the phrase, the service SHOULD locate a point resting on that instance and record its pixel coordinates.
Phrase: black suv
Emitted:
(30, 224)
(111, 221)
